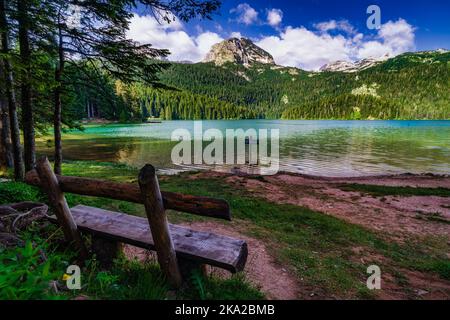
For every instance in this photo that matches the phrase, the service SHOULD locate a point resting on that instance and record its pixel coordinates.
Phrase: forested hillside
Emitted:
(410, 86)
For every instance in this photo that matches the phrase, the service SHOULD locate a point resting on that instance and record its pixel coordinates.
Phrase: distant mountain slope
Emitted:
(346, 66)
(409, 86)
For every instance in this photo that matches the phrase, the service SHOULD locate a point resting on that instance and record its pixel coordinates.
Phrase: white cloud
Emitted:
(236, 35)
(73, 15)
(274, 17)
(204, 43)
(199, 29)
(146, 29)
(307, 49)
(341, 25)
(218, 27)
(393, 38)
(245, 14)
(300, 47)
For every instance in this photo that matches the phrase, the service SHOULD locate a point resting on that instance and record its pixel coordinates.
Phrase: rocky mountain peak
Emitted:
(238, 50)
(349, 67)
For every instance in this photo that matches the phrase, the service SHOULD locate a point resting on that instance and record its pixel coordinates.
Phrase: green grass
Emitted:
(380, 191)
(100, 170)
(317, 247)
(11, 192)
(133, 280)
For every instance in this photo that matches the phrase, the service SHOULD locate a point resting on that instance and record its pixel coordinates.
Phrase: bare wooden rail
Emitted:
(202, 206)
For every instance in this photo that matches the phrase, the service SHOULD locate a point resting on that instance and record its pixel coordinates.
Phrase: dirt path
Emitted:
(275, 281)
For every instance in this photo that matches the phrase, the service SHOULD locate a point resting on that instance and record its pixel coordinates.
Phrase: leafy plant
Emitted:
(26, 274)
(197, 279)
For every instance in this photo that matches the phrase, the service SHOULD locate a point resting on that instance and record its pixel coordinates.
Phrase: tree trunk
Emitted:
(57, 116)
(19, 173)
(5, 133)
(27, 107)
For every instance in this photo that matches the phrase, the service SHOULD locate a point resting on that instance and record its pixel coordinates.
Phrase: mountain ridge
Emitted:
(408, 86)
(243, 51)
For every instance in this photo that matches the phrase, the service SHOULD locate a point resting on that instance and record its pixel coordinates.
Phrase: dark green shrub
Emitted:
(12, 192)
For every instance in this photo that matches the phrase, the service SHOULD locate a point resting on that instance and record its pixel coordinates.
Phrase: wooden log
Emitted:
(159, 226)
(202, 206)
(105, 251)
(59, 205)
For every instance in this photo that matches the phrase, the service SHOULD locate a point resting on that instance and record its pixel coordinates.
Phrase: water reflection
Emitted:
(327, 148)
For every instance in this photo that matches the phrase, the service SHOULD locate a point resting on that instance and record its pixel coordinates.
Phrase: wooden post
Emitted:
(59, 205)
(157, 219)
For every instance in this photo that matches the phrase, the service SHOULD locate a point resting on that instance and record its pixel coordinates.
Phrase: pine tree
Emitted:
(10, 94)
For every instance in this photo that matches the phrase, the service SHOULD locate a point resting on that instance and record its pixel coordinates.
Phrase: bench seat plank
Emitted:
(204, 247)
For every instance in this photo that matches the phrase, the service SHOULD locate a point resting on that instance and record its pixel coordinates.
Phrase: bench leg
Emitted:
(106, 251)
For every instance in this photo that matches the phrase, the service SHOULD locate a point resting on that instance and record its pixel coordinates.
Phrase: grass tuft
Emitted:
(380, 191)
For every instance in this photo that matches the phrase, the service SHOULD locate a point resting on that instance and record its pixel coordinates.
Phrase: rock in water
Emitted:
(241, 51)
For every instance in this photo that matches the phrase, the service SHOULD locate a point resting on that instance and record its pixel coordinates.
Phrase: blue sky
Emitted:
(306, 33)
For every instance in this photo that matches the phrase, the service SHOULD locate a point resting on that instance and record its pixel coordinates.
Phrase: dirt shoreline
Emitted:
(397, 216)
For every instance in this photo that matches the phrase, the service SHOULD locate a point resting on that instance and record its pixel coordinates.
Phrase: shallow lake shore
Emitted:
(326, 148)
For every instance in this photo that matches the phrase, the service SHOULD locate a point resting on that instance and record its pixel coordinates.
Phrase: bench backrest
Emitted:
(202, 206)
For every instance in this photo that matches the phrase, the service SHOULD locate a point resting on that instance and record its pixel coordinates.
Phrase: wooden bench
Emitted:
(179, 249)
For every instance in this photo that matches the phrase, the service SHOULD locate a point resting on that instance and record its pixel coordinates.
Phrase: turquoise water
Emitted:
(326, 148)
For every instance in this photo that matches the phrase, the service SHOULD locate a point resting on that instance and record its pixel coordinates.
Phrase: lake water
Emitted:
(325, 148)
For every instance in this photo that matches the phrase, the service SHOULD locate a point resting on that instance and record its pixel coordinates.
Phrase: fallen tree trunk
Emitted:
(201, 206)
